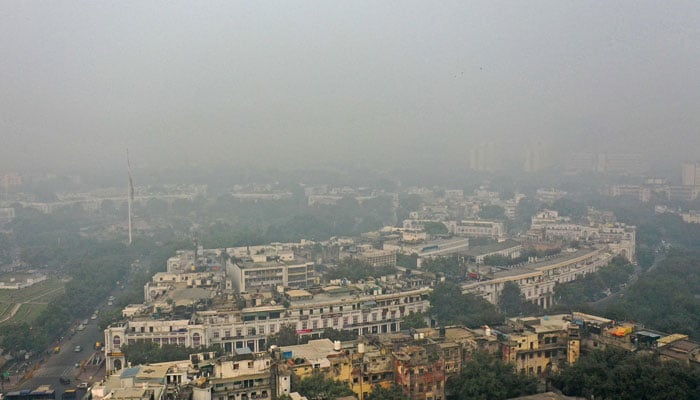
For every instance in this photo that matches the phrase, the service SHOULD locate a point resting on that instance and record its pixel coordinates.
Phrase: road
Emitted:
(605, 302)
(63, 363)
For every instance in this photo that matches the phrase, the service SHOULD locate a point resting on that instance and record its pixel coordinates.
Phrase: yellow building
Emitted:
(541, 345)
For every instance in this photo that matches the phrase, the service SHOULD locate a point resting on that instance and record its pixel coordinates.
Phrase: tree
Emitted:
(619, 374)
(355, 270)
(286, 336)
(414, 320)
(435, 228)
(318, 387)
(408, 261)
(449, 306)
(489, 378)
(492, 212)
(570, 208)
(512, 301)
(451, 267)
(338, 334)
(394, 393)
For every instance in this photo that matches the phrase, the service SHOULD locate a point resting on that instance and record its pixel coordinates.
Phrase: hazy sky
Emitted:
(306, 82)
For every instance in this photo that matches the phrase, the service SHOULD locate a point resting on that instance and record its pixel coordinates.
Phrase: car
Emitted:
(86, 321)
(78, 349)
(77, 365)
(82, 385)
(64, 380)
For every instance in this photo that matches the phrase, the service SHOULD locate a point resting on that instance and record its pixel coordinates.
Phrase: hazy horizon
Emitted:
(293, 84)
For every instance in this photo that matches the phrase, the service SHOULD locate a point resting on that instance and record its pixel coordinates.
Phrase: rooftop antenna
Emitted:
(130, 196)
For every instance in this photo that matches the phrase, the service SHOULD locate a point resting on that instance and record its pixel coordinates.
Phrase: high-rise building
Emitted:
(690, 175)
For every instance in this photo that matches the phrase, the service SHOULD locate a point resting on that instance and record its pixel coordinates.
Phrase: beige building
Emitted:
(537, 280)
(260, 271)
(540, 346)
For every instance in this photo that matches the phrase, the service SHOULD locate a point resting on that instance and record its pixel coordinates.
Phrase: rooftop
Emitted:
(490, 248)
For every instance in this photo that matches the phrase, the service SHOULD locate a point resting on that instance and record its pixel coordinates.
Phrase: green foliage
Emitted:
(318, 387)
(666, 298)
(488, 378)
(414, 320)
(355, 270)
(145, 352)
(107, 318)
(502, 261)
(450, 266)
(645, 257)
(512, 302)
(286, 336)
(450, 307)
(407, 261)
(573, 295)
(338, 334)
(5, 249)
(393, 393)
(498, 260)
(570, 208)
(621, 375)
(435, 228)
(492, 212)
(527, 207)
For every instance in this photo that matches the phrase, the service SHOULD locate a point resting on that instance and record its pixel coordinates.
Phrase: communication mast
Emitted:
(130, 195)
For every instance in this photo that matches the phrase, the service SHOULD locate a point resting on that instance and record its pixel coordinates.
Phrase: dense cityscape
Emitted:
(355, 200)
(374, 291)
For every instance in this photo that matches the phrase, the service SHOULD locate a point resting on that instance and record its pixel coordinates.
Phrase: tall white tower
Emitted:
(130, 195)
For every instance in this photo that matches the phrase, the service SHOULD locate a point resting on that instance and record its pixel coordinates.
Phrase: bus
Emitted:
(43, 392)
(69, 394)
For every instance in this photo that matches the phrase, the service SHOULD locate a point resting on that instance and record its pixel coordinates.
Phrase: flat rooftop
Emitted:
(314, 350)
(535, 267)
(248, 263)
(490, 248)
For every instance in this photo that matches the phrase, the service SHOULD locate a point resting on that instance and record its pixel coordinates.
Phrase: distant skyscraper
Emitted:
(483, 157)
(535, 156)
(607, 163)
(690, 175)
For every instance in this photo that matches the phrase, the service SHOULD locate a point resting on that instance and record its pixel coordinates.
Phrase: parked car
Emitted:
(82, 385)
(78, 349)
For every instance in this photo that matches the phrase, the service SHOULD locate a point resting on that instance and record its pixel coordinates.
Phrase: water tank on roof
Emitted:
(361, 348)
(336, 345)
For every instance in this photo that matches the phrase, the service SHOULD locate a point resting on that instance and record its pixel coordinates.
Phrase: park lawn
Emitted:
(5, 309)
(36, 290)
(37, 298)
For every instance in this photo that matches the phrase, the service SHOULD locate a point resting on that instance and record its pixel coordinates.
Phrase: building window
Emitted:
(216, 334)
(196, 339)
(117, 341)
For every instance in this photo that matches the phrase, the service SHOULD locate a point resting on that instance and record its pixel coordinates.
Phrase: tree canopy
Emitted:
(450, 307)
(622, 375)
(512, 301)
(393, 393)
(486, 377)
(318, 387)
